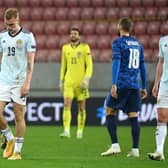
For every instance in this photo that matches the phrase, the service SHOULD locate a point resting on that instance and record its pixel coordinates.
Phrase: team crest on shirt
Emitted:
(78, 54)
(165, 45)
(19, 43)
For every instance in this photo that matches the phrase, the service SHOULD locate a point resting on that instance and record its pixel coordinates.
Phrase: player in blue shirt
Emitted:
(17, 52)
(127, 61)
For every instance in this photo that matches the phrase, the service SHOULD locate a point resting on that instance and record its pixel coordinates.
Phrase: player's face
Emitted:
(74, 35)
(12, 25)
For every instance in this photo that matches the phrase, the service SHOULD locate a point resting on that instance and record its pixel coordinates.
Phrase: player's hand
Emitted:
(114, 91)
(143, 93)
(25, 89)
(85, 83)
(61, 86)
(155, 91)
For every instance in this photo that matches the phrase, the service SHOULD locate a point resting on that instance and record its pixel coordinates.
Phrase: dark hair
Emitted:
(75, 29)
(126, 24)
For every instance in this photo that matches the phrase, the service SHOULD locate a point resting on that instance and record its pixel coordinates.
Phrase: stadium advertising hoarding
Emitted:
(48, 111)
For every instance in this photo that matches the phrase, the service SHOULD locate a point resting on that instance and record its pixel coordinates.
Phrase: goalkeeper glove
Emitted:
(85, 83)
(61, 85)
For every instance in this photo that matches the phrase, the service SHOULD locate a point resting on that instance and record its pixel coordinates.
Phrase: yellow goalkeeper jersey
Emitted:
(76, 63)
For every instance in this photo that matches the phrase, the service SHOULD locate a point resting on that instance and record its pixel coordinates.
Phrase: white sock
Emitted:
(161, 132)
(115, 145)
(8, 134)
(18, 144)
(136, 150)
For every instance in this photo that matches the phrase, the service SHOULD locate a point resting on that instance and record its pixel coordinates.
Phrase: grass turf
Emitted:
(43, 148)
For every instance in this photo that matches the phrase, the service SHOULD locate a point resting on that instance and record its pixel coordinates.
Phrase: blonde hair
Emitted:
(11, 13)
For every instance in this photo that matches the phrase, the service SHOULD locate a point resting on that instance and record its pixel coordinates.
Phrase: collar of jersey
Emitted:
(16, 33)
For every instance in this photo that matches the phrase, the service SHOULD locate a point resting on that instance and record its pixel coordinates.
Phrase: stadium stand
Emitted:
(138, 13)
(84, 3)
(91, 40)
(74, 13)
(10, 3)
(21, 3)
(59, 3)
(122, 3)
(38, 27)
(164, 29)
(144, 40)
(34, 3)
(148, 3)
(61, 13)
(161, 3)
(97, 3)
(47, 3)
(134, 3)
(87, 13)
(110, 3)
(99, 13)
(50, 21)
(112, 13)
(49, 13)
(101, 28)
(41, 41)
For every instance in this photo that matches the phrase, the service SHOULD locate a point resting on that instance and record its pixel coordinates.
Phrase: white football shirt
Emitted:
(14, 51)
(163, 52)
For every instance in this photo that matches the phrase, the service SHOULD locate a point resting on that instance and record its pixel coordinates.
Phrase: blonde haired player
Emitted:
(17, 51)
(75, 74)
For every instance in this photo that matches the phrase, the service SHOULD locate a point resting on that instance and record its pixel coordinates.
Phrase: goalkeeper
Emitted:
(75, 74)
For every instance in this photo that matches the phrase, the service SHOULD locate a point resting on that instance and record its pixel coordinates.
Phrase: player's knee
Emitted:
(162, 118)
(110, 111)
(67, 103)
(132, 114)
(162, 115)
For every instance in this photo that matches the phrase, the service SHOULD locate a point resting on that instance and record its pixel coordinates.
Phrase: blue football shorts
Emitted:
(128, 100)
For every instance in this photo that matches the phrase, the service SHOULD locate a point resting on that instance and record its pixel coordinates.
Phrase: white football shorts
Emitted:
(162, 99)
(10, 93)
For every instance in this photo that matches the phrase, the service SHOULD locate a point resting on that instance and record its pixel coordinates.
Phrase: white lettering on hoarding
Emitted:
(37, 112)
(148, 113)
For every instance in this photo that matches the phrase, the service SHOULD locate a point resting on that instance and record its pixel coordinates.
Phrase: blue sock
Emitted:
(135, 130)
(112, 127)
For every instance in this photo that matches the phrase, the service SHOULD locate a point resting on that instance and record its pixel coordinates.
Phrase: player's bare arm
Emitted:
(30, 67)
(159, 70)
(0, 57)
(114, 91)
(143, 93)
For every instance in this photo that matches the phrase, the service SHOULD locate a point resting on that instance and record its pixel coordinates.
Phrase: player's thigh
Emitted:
(117, 103)
(162, 114)
(16, 95)
(110, 111)
(5, 93)
(68, 92)
(133, 104)
(81, 94)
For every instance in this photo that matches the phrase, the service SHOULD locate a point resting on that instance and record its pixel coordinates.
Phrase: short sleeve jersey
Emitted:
(14, 51)
(163, 52)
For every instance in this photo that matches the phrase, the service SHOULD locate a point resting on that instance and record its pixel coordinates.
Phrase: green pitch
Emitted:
(44, 148)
